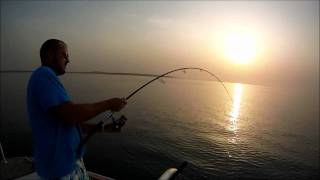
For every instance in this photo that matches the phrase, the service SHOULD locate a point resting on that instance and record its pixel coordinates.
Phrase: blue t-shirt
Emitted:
(55, 141)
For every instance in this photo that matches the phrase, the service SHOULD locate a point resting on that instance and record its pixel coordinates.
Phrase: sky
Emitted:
(157, 36)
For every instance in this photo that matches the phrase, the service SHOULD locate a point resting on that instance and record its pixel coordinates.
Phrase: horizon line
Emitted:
(97, 72)
(121, 74)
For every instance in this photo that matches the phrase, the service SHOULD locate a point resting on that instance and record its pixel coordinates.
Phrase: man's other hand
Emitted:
(116, 104)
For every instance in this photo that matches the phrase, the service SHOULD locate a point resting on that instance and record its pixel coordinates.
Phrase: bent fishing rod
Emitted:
(101, 124)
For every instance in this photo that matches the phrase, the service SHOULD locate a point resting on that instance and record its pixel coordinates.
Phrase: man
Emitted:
(55, 119)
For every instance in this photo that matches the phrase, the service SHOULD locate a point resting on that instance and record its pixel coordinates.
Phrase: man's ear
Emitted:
(50, 57)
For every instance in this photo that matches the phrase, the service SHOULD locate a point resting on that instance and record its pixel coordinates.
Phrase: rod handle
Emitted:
(89, 135)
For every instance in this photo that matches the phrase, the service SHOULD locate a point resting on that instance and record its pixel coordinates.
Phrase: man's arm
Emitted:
(76, 113)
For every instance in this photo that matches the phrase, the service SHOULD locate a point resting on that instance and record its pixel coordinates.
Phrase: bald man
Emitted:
(57, 123)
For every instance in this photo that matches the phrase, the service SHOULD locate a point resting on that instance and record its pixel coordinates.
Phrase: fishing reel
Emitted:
(118, 122)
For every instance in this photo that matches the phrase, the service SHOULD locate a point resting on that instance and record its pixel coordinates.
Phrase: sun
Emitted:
(240, 48)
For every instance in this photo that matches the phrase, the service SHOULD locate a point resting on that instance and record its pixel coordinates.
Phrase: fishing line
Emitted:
(102, 123)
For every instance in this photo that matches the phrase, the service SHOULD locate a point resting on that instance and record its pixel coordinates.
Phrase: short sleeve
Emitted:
(49, 92)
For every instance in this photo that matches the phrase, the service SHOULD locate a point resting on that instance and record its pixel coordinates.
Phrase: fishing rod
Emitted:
(120, 122)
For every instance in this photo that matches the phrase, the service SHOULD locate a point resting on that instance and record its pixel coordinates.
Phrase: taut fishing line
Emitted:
(118, 122)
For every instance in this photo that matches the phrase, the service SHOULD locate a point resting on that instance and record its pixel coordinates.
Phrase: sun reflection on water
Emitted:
(235, 111)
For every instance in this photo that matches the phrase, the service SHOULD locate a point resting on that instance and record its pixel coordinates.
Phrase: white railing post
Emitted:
(2, 153)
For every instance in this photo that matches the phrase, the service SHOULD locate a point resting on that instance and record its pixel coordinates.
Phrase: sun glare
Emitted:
(240, 48)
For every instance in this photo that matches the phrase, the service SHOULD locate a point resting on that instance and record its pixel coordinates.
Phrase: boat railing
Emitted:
(2, 154)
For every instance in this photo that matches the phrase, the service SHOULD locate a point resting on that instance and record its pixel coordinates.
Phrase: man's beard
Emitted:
(59, 70)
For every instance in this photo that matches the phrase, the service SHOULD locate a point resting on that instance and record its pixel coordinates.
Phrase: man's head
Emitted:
(54, 54)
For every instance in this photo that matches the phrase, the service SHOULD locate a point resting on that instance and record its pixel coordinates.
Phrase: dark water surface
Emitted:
(265, 133)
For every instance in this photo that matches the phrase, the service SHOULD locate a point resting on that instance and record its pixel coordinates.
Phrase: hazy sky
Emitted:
(157, 36)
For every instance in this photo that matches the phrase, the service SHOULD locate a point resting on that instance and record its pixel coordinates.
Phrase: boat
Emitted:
(21, 168)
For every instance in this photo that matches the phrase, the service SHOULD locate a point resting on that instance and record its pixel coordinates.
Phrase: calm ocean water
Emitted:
(265, 133)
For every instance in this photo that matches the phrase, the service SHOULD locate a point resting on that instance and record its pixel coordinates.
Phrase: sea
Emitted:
(261, 132)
